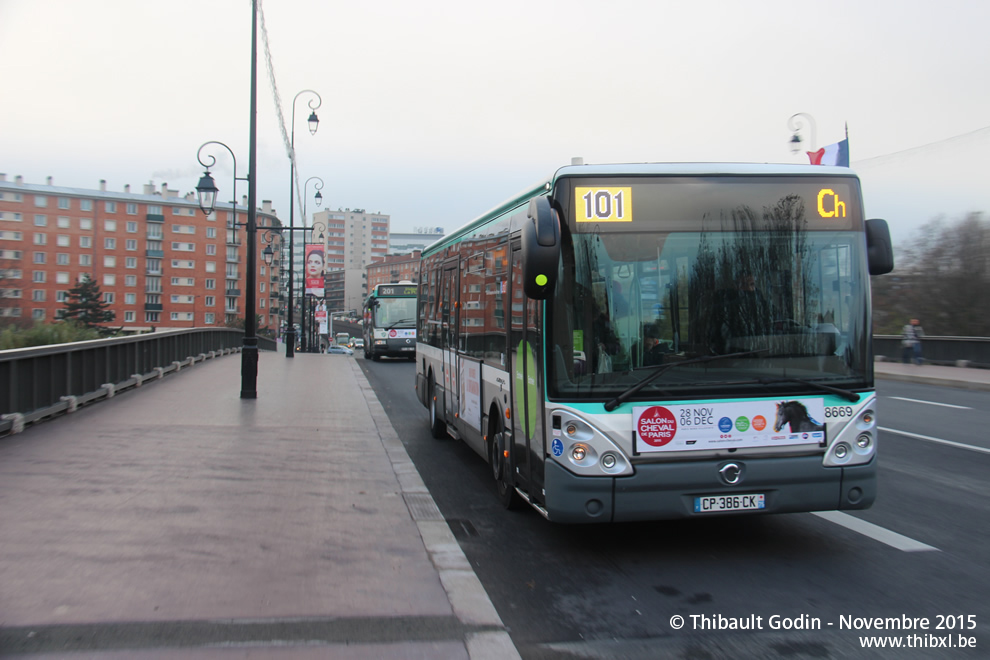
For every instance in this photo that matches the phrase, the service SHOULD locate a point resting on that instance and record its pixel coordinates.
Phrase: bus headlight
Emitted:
(578, 452)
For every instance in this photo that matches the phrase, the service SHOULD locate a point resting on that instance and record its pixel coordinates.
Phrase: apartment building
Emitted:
(353, 238)
(159, 262)
(394, 268)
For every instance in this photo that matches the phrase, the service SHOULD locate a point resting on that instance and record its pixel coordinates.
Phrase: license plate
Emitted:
(714, 503)
(408, 348)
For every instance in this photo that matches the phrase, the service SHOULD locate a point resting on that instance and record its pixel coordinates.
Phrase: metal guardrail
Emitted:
(952, 351)
(43, 381)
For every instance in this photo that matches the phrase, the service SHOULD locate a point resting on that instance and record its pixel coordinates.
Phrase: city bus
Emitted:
(657, 341)
(390, 321)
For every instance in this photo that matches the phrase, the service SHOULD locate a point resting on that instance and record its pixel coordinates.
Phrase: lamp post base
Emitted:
(249, 368)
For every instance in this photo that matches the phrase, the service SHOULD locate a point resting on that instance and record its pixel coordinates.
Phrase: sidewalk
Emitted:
(972, 379)
(179, 521)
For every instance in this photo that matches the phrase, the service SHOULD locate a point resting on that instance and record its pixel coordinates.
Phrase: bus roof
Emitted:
(641, 169)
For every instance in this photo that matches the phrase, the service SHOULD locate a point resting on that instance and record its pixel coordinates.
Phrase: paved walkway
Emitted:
(973, 379)
(177, 520)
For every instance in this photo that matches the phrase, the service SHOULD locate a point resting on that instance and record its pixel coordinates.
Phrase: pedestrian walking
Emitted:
(911, 342)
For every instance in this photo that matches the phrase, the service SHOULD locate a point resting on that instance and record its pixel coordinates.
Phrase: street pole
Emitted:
(249, 350)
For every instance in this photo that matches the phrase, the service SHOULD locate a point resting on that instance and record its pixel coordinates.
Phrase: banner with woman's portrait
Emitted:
(314, 270)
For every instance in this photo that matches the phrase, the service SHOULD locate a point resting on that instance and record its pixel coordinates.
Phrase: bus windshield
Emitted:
(768, 272)
(395, 312)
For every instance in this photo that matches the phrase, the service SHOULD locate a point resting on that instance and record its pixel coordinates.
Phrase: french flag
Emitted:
(833, 154)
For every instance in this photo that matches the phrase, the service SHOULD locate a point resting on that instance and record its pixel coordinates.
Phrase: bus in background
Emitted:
(390, 321)
(654, 341)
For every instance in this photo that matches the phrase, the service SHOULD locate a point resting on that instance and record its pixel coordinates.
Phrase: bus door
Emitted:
(449, 330)
(525, 349)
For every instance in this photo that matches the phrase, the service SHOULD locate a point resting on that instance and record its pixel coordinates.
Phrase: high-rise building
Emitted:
(159, 262)
(353, 238)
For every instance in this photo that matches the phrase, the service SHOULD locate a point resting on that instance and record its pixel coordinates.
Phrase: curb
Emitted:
(467, 596)
(933, 380)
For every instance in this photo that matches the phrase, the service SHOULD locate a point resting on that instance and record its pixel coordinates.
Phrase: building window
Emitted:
(86, 224)
(61, 296)
(211, 266)
(85, 241)
(131, 226)
(211, 301)
(211, 284)
(39, 257)
(63, 222)
(129, 317)
(130, 280)
(111, 207)
(209, 319)
(110, 225)
(38, 314)
(109, 280)
(40, 220)
(85, 260)
(63, 203)
(130, 262)
(61, 278)
(151, 317)
(38, 295)
(40, 201)
(110, 243)
(40, 239)
(131, 244)
(62, 258)
(108, 297)
(85, 205)
(211, 249)
(130, 298)
(38, 276)
(211, 232)
(63, 240)
(132, 210)
(109, 261)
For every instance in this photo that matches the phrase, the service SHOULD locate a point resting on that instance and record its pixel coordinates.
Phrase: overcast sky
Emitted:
(435, 111)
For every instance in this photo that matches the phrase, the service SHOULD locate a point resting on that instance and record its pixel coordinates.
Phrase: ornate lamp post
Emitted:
(795, 125)
(314, 122)
(305, 344)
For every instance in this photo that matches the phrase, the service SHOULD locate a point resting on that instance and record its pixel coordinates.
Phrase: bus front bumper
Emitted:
(660, 491)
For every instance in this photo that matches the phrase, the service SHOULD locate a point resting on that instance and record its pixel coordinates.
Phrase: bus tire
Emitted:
(501, 470)
(438, 427)
(376, 357)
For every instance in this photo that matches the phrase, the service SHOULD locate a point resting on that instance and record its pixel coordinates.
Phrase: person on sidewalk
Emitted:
(911, 342)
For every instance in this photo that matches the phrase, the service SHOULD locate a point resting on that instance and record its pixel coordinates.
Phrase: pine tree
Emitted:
(86, 306)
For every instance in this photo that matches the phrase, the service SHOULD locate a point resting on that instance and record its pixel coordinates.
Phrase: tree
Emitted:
(86, 306)
(941, 277)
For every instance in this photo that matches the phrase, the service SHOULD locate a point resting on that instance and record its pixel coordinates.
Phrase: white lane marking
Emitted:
(875, 532)
(931, 403)
(918, 436)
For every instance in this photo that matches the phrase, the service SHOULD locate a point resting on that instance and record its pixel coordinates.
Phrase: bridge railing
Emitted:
(953, 351)
(42, 381)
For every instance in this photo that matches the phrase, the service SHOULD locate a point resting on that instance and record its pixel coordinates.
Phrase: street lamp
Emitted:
(795, 125)
(313, 122)
(207, 192)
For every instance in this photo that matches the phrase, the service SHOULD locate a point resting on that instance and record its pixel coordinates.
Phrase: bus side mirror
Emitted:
(540, 248)
(879, 251)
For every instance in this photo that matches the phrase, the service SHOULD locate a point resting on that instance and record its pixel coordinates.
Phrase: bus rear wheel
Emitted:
(501, 466)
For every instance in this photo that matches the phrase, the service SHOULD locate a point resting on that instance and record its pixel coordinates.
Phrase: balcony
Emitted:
(154, 217)
(153, 271)
(233, 293)
(158, 254)
(152, 307)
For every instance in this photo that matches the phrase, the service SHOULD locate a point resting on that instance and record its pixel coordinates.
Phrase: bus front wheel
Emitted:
(502, 469)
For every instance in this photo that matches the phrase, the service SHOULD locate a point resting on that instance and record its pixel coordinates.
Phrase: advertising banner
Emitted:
(314, 270)
(728, 425)
(321, 317)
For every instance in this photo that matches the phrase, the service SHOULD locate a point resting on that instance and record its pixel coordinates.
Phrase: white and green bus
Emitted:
(652, 341)
(390, 321)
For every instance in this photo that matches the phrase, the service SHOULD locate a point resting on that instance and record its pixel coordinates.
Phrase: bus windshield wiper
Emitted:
(848, 395)
(398, 322)
(663, 368)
